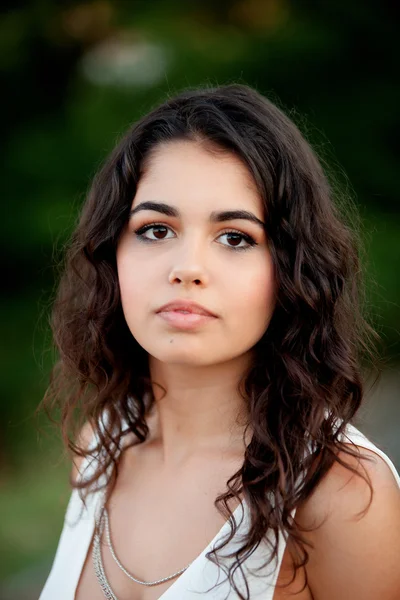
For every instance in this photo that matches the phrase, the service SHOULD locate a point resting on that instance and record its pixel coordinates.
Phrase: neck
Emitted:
(202, 410)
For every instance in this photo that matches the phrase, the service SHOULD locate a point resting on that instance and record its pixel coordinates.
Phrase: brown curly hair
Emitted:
(305, 385)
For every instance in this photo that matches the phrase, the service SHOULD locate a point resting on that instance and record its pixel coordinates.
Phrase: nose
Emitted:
(189, 267)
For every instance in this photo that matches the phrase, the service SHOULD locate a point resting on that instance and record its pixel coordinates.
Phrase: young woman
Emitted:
(210, 338)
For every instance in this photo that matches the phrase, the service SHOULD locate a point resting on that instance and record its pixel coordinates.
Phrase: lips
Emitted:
(186, 306)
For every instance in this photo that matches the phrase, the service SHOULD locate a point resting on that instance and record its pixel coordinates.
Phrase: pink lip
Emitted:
(186, 305)
(186, 321)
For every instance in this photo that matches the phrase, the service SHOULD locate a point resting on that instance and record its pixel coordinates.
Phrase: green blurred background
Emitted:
(74, 76)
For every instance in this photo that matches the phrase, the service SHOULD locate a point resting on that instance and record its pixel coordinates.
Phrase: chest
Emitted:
(179, 587)
(158, 526)
(157, 546)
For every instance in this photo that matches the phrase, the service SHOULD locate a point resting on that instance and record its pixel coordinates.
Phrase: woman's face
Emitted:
(191, 254)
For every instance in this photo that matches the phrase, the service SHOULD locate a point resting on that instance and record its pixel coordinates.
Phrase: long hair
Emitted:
(305, 384)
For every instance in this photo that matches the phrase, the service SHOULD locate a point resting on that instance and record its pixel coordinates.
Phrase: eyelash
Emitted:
(248, 238)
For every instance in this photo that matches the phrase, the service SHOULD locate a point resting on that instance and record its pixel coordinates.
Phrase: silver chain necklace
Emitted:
(99, 566)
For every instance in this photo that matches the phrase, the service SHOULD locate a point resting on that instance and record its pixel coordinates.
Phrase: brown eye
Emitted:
(237, 237)
(158, 231)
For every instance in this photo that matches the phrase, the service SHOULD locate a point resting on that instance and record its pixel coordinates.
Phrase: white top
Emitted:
(201, 575)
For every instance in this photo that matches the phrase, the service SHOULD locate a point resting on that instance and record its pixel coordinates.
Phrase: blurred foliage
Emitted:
(74, 75)
(32, 507)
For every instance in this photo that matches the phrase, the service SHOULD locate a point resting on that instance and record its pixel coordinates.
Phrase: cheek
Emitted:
(132, 284)
(255, 297)
(134, 297)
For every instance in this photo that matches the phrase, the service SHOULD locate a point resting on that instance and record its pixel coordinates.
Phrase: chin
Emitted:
(183, 358)
(175, 353)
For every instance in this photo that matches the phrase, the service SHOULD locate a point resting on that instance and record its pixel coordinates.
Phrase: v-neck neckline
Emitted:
(189, 571)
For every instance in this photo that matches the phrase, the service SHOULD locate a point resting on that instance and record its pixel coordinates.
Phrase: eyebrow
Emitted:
(215, 216)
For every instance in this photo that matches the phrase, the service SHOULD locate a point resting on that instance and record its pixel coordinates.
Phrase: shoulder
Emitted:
(354, 531)
(343, 489)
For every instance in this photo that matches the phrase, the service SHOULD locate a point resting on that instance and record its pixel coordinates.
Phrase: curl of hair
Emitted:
(305, 385)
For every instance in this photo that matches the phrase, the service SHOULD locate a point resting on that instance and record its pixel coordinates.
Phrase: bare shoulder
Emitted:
(85, 437)
(354, 531)
(343, 489)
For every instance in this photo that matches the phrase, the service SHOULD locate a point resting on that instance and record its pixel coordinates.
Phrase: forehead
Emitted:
(194, 176)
